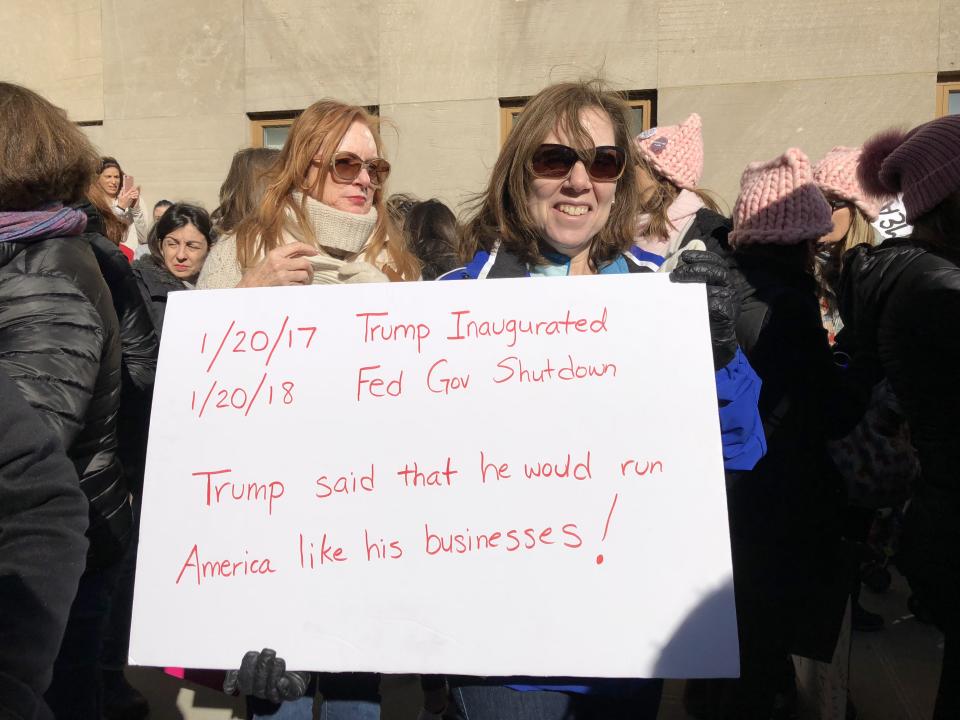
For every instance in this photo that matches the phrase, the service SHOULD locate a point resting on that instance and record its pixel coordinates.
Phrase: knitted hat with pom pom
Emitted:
(779, 204)
(676, 151)
(923, 164)
(836, 174)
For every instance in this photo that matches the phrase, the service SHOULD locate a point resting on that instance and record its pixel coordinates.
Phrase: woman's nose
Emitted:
(363, 177)
(578, 179)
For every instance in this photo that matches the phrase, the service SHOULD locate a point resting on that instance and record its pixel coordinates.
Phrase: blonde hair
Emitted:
(500, 211)
(661, 196)
(316, 134)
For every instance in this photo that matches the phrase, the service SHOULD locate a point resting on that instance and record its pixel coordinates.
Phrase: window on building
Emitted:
(642, 112)
(270, 129)
(948, 98)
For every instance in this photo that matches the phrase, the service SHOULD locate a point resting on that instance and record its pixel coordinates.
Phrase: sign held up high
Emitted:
(513, 477)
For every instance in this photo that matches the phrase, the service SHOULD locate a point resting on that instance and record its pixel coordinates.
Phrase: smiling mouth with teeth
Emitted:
(573, 209)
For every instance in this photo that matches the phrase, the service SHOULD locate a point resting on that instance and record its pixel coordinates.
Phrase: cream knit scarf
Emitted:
(338, 231)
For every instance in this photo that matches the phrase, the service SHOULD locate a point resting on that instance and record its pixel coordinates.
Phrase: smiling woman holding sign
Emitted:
(562, 201)
(322, 219)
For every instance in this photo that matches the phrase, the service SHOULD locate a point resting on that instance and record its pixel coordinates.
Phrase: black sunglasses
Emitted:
(837, 204)
(605, 164)
(346, 167)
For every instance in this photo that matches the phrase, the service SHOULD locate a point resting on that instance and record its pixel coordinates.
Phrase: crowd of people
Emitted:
(832, 352)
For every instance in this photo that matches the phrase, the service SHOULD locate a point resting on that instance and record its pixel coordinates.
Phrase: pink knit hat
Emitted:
(676, 151)
(778, 203)
(836, 174)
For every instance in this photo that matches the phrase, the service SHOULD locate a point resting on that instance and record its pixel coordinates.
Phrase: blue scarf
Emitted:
(53, 220)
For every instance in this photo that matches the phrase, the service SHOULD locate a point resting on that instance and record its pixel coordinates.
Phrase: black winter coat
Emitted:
(60, 343)
(155, 283)
(785, 514)
(139, 345)
(902, 302)
(43, 516)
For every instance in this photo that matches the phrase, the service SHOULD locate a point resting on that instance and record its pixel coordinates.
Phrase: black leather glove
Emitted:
(264, 675)
(700, 266)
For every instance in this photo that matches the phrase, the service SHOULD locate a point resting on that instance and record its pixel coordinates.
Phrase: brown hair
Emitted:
(44, 157)
(500, 212)
(661, 196)
(243, 189)
(114, 228)
(108, 162)
(316, 133)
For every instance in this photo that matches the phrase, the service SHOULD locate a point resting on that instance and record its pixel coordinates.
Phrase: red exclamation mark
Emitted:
(607, 526)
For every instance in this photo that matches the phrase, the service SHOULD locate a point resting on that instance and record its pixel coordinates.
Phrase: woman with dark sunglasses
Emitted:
(322, 218)
(562, 201)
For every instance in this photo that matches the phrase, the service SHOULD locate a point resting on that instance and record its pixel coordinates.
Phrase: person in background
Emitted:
(53, 297)
(179, 243)
(322, 217)
(675, 210)
(791, 582)
(159, 208)
(43, 516)
(854, 213)
(101, 219)
(430, 228)
(242, 191)
(124, 202)
(900, 301)
(562, 201)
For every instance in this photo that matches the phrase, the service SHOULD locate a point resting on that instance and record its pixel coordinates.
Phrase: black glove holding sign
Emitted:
(700, 266)
(264, 675)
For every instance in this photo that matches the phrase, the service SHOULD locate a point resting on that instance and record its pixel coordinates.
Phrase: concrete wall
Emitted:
(172, 81)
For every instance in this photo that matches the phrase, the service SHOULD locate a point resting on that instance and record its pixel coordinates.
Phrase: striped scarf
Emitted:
(52, 220)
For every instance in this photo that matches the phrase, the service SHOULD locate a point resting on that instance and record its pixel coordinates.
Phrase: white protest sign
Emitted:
(493, 478)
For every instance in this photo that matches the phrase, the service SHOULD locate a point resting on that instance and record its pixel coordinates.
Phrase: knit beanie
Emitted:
(779, 203)
(923, 164)
(836, 174)
(676, 151)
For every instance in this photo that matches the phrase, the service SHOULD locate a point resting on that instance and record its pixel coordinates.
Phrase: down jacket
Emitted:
(43, 516)
(60, 343)
(901, 302)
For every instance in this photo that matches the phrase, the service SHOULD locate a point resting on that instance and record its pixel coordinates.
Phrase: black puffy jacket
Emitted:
(60, 343)
(139, 345)
(902, 302)
(155, 282)
(43, 516)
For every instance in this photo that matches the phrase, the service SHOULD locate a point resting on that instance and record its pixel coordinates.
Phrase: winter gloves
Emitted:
(698, 266)
(264, 675)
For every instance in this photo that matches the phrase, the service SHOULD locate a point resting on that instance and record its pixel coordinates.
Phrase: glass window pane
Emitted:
(636, 120)
(953, 102)
(514, 116)
(275, 137)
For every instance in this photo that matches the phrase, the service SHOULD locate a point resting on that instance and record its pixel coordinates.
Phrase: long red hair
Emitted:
(315, 136)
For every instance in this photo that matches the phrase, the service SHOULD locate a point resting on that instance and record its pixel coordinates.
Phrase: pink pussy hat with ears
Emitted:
(676, 151)
(779, 203)
(836, 174)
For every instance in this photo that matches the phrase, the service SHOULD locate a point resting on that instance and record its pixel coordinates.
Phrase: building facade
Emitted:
(173, 88)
